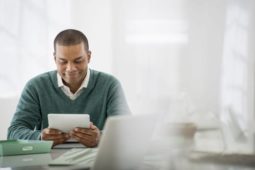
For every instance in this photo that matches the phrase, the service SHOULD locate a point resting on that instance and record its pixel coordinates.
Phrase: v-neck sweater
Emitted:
(102, 98)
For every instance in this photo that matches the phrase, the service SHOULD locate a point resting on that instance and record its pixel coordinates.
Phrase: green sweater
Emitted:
(103, 97)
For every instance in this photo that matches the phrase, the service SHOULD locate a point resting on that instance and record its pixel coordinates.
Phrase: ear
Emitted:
(89, 56)
(54, 54)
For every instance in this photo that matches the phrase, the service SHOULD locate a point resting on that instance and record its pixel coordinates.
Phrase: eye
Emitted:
(62, 61)
(78, 61)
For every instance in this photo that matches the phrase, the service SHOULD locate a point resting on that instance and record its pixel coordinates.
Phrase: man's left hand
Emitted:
(87, 136)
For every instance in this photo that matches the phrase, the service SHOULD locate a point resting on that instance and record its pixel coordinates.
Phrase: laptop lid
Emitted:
(124, 142)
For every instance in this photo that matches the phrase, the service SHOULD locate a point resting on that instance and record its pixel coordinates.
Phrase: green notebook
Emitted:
(20, 147)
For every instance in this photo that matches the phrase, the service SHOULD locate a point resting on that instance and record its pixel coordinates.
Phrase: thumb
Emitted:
(91, 125)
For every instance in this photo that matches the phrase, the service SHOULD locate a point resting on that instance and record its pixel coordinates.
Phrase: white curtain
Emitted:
(237, 80)
(189, 58)
(27, 29)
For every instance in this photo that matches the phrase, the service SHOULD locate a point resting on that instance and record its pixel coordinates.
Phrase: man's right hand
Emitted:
(55, 135)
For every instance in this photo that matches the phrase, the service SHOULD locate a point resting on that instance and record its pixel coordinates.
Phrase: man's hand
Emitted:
(86, 136)
(57, 136)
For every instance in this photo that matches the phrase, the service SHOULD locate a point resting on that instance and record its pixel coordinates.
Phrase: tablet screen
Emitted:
(68, 121)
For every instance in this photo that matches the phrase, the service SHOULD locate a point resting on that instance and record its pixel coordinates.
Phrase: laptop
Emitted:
(123, 145)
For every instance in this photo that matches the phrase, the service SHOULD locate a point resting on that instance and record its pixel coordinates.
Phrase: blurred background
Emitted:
(190, 60)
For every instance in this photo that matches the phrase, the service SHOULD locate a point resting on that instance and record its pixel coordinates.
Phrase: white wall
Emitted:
(27, 30)
(164, 49)
(170, 55)
(94, 18)
(7, 108)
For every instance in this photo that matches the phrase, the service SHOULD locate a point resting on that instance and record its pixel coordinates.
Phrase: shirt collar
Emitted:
(83, 85)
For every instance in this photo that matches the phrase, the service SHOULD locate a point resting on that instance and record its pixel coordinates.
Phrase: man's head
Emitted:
(72, 55)
(71, 37)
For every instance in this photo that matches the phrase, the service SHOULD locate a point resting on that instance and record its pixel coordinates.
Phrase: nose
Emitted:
(70, 67)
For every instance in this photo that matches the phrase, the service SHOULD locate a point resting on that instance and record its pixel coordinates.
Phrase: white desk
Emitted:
(33, 161)
(163, 161)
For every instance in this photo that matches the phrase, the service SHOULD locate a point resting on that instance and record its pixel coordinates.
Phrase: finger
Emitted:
(90, 124)
(86, 131)
(86, 140)
(60, 140)
(85, 137)
(57, 142)
(57, 139)
(93, 127)
(55, 136)
(52, 131)
(82, 136)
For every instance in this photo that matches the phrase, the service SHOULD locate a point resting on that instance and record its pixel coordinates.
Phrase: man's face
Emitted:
(72, 63)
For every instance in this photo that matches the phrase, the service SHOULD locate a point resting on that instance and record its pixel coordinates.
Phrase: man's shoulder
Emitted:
(102, 79)
(99, 75)
(43, 77)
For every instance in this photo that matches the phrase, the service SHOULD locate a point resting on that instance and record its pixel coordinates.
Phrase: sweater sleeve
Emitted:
(116, 103)
(27, 116)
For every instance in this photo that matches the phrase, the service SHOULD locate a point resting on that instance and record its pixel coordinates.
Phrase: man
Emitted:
(72, 88)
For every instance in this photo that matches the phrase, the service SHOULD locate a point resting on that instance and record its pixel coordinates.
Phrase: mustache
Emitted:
(71, 72)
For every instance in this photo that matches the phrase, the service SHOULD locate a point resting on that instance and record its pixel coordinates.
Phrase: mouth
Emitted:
(72, 74)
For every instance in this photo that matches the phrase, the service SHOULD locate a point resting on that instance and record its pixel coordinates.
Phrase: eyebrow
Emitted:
(78, 58)
(74, 59)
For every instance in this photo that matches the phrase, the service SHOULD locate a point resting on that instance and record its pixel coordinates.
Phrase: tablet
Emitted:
(67, 122)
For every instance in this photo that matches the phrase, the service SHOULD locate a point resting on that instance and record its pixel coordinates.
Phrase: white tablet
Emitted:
(67, 122)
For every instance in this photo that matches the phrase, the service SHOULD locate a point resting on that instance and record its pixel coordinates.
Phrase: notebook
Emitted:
(123, 144)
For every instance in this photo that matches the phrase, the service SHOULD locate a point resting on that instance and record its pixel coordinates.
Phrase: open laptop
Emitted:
(122, 146)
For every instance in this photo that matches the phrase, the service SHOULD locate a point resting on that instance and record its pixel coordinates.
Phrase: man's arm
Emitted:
(27, 116)
(116, 100)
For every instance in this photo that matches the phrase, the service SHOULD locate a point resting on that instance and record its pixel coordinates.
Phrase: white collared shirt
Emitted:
(67, 90)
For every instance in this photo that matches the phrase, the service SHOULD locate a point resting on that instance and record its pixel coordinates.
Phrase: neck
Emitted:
(73, 87)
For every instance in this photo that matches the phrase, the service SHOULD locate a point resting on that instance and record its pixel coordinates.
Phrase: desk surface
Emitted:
(160, 157)
(163, 160)
(33, 161)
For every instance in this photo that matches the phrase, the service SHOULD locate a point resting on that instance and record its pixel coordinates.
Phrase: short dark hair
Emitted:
(71, 37)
